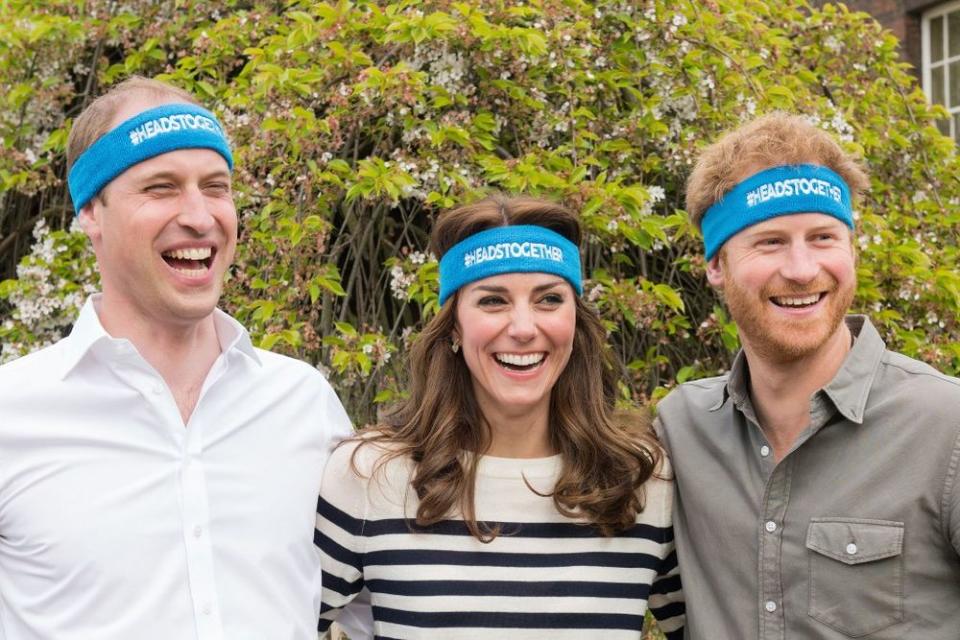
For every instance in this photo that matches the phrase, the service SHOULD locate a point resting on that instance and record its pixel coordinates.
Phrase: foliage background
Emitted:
(355, 123)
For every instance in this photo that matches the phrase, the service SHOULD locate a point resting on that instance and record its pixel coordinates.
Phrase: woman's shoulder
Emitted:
(658, 494)
(368, 466)
(368, 451)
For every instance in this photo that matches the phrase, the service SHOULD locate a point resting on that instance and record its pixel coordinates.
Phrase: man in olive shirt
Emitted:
(817, 481)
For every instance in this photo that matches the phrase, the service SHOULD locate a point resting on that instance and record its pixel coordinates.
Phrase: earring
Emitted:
(455, 345)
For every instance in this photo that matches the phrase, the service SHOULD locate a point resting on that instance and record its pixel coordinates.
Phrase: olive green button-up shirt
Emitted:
(854, 534)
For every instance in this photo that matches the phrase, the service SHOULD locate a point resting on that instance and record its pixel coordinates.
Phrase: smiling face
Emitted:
(164, 232)
(788, 283)
(516, 332)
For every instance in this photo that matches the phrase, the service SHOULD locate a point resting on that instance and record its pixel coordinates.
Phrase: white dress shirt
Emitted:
(119, 522)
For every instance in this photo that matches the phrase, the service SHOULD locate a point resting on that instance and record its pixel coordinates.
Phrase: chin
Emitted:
(519, 405)
(192, 311)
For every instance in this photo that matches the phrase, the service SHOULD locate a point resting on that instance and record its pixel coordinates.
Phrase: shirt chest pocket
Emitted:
(856, 574)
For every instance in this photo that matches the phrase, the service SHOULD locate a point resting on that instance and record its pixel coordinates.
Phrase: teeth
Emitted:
(192, 273)
(199, 253)
(520, 359)
(796, 302)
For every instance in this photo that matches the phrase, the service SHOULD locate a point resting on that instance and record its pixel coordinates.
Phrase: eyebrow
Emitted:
(492, 289)
(827, 226)
(175, 176)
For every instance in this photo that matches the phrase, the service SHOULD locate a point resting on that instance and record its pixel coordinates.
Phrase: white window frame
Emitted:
(928, 16)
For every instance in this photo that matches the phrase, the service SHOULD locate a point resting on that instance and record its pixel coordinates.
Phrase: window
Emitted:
(941, 62)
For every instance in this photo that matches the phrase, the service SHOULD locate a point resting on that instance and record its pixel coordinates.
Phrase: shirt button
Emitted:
(851, 549)
(197, 531)
(764, 451)
(770, 606)
(207, 609)
(157, 390)
(771, 526)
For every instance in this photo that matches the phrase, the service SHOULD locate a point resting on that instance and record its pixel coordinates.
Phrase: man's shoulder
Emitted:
(43, 365)
(292, 369)
(899, 370)
(916, 386)
(702, 394)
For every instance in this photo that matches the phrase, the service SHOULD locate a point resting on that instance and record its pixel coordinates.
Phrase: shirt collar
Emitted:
(849, 388)
(87, 332)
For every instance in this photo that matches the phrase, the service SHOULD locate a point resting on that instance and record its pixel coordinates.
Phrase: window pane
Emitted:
(936, 85)
(953, 32)
(954, 77)
(956, 125)
(944, 126)
(936, 39)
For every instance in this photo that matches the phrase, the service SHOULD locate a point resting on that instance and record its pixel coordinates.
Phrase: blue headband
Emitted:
(799, 188)
(145, 135)
(511, 249)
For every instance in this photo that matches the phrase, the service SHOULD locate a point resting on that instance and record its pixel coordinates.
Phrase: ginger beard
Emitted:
(776, 336)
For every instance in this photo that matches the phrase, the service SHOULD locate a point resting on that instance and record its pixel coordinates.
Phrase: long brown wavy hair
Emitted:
(606, 456)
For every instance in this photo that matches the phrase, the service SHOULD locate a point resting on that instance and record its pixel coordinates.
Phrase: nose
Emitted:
(523, 326)
(801, 263)
(195, 211)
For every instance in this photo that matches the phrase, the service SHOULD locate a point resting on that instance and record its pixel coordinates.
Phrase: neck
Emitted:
(182, 353)
(519, 434)
(781, 391)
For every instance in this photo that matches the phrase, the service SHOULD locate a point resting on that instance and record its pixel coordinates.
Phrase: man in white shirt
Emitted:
(158, 474)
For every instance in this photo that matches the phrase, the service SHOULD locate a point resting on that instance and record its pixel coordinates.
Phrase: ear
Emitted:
(89, 219)
(715, 271)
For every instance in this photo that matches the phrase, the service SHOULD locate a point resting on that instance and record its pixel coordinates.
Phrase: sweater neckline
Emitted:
(492, 466)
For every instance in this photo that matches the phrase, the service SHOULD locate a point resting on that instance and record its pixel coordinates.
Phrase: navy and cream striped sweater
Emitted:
(544, 576)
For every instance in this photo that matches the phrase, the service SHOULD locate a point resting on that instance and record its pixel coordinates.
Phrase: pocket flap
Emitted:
(855, 540)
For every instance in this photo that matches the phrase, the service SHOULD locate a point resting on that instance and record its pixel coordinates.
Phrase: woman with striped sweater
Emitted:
(504, 498)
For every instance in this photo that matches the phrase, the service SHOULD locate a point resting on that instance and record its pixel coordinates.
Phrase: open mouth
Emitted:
(193, 262)
(520, 361)
(798, 302)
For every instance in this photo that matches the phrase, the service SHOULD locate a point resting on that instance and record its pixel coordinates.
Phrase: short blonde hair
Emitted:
(769, 141)
(95, 120)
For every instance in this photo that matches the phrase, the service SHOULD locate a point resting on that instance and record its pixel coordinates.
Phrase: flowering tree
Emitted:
(354, 123)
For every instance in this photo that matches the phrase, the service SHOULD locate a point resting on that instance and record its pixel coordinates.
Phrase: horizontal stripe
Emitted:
(500, 604)
(494, 559)
(668, 564)
(409, 633)
(330, 513)
(504, 588)
(666, 584)
(521, 574)
(668, 611)
(506, 544)
(553, 530)
(507, 620)
(338, 552)
(341, 586)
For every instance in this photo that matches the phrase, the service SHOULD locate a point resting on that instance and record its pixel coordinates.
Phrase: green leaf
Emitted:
(346, 329)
